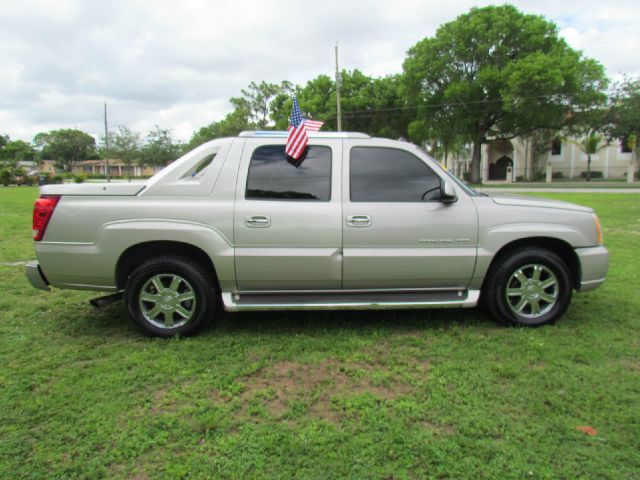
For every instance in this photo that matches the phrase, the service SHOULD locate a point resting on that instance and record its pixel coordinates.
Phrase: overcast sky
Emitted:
(176, 64)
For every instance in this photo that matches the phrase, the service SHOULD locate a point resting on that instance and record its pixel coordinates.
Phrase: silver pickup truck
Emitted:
(358, 222)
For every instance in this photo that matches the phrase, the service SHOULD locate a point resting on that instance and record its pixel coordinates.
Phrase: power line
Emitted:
(449, 104)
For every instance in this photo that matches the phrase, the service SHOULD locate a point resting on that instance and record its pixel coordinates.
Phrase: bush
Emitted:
(57, 179)
(539, 175)
(594, 174)
(6, 177)
(28, 180)
(78, 178)
(466, 176)
(557, 175)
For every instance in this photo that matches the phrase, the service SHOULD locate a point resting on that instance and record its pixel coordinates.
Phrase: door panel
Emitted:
(405, 244)
(293, 242)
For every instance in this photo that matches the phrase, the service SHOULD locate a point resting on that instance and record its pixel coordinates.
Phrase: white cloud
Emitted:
(176, 64)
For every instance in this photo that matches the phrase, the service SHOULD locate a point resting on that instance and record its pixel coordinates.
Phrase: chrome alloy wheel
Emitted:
(532, 291)
(167, 300)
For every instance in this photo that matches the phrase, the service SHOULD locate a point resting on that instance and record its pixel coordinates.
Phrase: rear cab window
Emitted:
(274, 176)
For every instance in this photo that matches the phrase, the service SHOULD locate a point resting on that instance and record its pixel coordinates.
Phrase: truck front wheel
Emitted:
(170, 295)
(528, 287)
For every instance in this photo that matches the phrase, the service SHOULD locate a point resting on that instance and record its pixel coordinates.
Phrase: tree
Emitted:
(160, 148)
(370, 105)
(125, 145)
(624, 118)
(497, 73)
(230, 126)
(15, 151)
(591, 143)
(256, 102)
(66, 146)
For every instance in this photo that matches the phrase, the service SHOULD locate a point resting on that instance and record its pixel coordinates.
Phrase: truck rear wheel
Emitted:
(170, 295)
(529, 287)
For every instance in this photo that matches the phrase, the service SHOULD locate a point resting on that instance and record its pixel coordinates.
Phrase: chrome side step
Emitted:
(235, 302)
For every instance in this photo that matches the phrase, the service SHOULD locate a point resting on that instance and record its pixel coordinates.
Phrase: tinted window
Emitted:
(389, 175)
(272, 177)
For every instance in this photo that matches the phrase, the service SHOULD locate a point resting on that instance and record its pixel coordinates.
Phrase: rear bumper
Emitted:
(36, 277)
(594, 263)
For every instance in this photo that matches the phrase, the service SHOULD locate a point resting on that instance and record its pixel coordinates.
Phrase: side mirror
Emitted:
(448, 192)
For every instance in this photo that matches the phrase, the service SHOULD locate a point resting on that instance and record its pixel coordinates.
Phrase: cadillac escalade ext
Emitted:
(359, 223)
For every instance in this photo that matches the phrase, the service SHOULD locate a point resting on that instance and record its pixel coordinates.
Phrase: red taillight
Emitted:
(42, 211)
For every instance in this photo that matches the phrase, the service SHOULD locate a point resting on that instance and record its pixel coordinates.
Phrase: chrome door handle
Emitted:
(358, 220)
(257, 221)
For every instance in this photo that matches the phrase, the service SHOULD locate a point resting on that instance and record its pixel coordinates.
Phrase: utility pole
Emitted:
(338, 82)
(106, 141)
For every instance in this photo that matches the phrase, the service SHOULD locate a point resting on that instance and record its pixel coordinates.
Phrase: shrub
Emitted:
(28, 180)
(539, 175)
(594, 174)
(6, 176)
(57, 179)
(466, 176)
(557, 175)
(78, 178)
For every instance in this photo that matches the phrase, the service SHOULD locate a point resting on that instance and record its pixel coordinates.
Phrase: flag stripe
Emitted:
(298, 127)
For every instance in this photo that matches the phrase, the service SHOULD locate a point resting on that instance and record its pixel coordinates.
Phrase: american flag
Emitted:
(298, 128)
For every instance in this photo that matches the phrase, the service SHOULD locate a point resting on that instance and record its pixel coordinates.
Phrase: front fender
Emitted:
(494, 239)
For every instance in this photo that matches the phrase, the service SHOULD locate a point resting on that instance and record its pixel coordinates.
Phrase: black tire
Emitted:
(180, 297)
(528, 287)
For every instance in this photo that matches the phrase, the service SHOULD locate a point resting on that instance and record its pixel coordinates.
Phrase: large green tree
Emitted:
(498, 73)
(369, 105)
(66, 146)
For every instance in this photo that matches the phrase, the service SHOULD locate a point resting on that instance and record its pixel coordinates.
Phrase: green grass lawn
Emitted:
(406, 394)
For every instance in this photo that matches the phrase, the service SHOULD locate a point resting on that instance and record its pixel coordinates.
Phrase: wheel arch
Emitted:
(137, 254)
(560, 247)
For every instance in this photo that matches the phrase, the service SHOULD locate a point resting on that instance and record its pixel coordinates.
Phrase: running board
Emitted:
(234, 302)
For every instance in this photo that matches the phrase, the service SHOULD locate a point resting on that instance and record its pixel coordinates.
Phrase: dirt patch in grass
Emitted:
(287, 389)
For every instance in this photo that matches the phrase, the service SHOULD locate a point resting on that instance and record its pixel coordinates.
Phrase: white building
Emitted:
(565, 158)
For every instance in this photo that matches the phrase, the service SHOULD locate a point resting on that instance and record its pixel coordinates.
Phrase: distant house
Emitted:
(566, 159)
(117, 168)
(47, 166)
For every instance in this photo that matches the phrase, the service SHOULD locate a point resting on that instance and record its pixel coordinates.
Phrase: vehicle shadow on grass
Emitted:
(113, 320)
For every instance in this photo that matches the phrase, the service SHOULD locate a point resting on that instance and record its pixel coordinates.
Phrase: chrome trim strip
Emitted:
(353, 290)
(230, 304)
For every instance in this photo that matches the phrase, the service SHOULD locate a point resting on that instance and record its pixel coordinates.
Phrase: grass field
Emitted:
(407, 394)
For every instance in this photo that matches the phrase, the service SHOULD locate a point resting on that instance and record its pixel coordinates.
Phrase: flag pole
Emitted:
(338, 82)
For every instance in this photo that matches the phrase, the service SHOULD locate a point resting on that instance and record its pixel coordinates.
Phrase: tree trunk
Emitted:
(475, 161)
(589, 168)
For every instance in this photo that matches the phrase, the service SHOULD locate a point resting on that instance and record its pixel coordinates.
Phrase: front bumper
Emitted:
(36, 277)
(594, 263)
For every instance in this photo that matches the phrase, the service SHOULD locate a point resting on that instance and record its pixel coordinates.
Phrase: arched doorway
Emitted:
(500, 157)
(498, 170)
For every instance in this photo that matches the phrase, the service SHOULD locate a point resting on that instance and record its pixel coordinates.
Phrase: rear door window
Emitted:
(273, 177)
